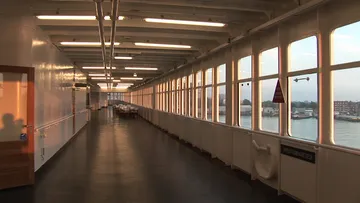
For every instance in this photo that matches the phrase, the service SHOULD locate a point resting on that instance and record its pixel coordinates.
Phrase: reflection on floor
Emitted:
(114, 160)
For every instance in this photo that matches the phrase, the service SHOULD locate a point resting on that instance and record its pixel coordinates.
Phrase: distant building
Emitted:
(346, 107)
(268, 110)
(245, 110)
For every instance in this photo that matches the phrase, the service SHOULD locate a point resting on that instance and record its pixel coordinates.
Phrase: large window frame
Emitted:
(209, 87)
(247, 81)
(190, 94)
(220, 84)
(340, 66)
(266, 78)
(300, 75)
(198, 94)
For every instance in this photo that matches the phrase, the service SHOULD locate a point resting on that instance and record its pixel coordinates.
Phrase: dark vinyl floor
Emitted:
(115, 160)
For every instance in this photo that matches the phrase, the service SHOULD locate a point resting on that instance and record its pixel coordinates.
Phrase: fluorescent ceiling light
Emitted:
(87, 43)
(98, 68)
(67, 17)
(98, 74)
(119, 18)
(129, 78)
(116, 80)
(163, 45)
(101, 78)
(124, 57)
(139, 68)
(184, 22)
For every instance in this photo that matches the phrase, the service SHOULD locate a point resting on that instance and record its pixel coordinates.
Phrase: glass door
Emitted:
(16, 126)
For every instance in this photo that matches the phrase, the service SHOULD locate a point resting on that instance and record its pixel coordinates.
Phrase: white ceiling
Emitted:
(239, 15)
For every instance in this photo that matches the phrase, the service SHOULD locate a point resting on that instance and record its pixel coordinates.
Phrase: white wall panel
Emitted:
(223, 139)
(22, 43)
(242, 150)
(298, 177)
(16, 40)
(339, 179)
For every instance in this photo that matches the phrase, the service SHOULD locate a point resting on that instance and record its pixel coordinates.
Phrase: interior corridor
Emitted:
(117, 160)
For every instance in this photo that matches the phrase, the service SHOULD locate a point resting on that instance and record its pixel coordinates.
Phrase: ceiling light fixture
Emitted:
(98, 68)
(123, 57)
(100, 78)
(135, 75)
(65, 17)
(184, 22)
(163, 45)
(87, 43)
(98, 74)
(139, 68)
(128, 78)
(119, 18)
(116, 80)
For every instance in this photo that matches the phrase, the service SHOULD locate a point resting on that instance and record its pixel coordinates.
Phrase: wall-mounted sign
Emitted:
(297, 153)
(278, 94)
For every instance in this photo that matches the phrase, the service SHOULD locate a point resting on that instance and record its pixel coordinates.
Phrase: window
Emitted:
(209, 77)
(208, 103)
(178, 95)
(167, 96)
(190, 94)
(244, 87)
(158, 97)
(183, 99)
(245, 68)
(302, 89)
(304, 106)
(245, 103)
(303, 54)
(346, 44)
(198, 94)
(269, 64)
(208, 94)
(221, 94)
(347, 107)
(173, 91)
(269, 110)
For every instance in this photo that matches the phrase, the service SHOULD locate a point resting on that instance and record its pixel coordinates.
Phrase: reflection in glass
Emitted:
(208, 103)
(245, 101)
(13, 108)
(269, 110)
(303, 54)
(245, 68)
(269, 62)
(304, 106)
(347, 107)
(221, 114)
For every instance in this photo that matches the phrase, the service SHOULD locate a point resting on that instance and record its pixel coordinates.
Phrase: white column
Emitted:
(283, 70)
(326, 107)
